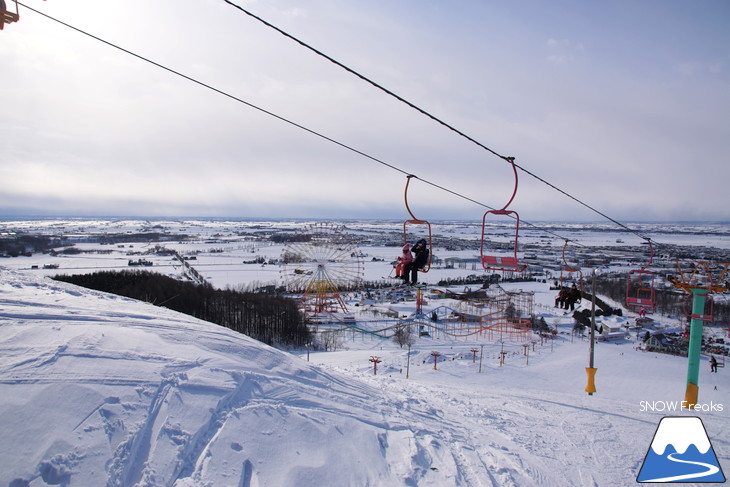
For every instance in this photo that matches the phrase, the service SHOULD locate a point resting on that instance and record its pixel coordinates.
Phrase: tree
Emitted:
(329, 341)
(578, 328)
(403, 336)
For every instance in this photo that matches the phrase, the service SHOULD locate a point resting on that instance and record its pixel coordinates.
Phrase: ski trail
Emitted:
(192, 455)
(131, 456)
(247, 474)
(108, 400)
(711, 469)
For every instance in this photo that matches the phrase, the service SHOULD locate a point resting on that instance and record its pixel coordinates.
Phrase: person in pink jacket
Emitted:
(405, 258)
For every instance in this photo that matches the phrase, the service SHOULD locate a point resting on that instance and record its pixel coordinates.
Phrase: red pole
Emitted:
(375, 360)
(435, 356)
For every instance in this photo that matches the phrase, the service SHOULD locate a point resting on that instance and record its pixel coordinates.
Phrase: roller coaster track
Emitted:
(490, 324)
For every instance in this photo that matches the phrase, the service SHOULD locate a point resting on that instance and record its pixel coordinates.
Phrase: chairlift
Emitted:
(416, 221)
(501, 262)
(640, 291)
(8, 17)
(570, 270)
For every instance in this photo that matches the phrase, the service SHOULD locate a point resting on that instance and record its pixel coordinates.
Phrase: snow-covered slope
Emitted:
(100, 390)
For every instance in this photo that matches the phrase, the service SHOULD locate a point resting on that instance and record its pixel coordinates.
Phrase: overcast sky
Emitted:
(623, 104)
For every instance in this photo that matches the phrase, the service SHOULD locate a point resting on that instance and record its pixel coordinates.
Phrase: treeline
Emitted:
(27, 245)
(274, 320)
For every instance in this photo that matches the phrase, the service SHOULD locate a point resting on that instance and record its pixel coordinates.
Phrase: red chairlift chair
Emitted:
(640, 292)
(416, 221)
(503, 262)
(8, 17)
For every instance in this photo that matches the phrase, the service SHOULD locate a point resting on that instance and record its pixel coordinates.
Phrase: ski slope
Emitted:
(100, 390)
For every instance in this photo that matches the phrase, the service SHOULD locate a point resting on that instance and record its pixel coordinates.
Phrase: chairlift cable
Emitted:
(434, 118)
(283, 119)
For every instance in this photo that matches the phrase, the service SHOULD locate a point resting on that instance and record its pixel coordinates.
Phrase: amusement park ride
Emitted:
(318, 262)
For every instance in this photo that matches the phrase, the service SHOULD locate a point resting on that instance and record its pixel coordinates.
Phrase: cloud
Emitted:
(86, 126)
(562, 51)
(700, 68)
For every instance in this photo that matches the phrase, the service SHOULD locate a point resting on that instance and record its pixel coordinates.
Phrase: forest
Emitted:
(272, 319)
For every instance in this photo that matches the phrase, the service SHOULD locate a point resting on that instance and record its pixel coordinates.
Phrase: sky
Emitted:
(624, 105)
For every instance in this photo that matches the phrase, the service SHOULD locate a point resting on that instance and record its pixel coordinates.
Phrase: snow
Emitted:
(102, 390)
(96, 389)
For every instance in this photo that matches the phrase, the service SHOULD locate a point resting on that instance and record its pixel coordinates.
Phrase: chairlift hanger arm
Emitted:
(405, 198)
(566, 266)
(417, 221)
(511, 160)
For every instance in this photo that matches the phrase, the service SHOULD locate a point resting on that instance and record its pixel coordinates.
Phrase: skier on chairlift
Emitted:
(420, 259)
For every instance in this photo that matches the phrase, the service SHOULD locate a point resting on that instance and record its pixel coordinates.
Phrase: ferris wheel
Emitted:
(319, 261)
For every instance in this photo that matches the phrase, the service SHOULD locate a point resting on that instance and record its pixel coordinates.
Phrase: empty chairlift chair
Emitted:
(640, 292)
(502, 262)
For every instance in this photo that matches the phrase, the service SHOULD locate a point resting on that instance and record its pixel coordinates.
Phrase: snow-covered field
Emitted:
(101, 390)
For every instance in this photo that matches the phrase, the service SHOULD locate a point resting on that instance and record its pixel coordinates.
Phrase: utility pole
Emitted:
(591, 370)
(481, 354)
(408, 361)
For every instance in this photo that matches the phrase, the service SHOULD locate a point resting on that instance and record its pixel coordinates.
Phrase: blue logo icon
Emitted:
(681, 452)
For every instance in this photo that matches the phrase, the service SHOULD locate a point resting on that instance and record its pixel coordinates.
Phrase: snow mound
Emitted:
(102, 390)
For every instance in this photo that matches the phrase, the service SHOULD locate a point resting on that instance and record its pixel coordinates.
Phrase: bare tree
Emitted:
(403, 336)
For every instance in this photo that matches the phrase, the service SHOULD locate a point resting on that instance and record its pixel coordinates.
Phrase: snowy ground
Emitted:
(101, 390)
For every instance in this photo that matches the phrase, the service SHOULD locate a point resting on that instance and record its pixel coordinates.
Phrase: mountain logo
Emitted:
(681, 452)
